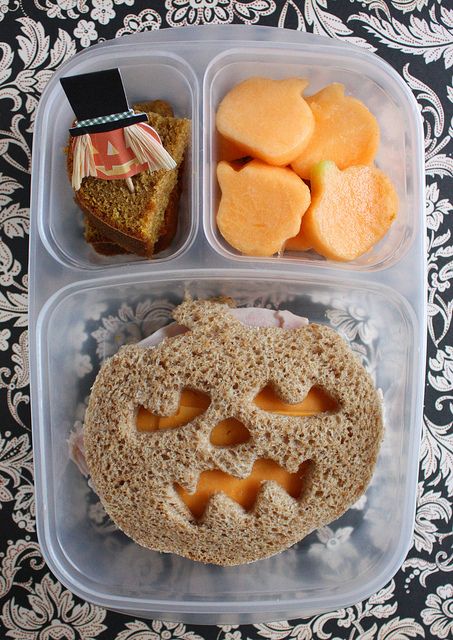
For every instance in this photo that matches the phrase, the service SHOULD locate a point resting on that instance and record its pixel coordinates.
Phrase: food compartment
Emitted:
(340, 564)
(160, 76)
(366, 78)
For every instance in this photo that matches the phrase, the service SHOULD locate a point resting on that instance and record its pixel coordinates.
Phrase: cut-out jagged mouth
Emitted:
(244, 491)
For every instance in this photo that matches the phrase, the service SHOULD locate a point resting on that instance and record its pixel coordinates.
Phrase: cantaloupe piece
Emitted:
(261, 206)
(227, 150)
(268, 119)
(298, 243)
(350, 210)
(346, 132)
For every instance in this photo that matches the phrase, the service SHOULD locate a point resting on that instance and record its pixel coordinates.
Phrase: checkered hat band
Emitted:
(113, 117)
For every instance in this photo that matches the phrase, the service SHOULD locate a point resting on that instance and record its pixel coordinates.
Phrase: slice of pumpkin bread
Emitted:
(135, 220)
(104, 246)
(162, 107)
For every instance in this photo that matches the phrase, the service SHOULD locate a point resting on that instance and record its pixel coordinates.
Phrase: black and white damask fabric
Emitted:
(37, 36)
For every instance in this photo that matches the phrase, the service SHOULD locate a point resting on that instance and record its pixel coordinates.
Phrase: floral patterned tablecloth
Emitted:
(37, 36)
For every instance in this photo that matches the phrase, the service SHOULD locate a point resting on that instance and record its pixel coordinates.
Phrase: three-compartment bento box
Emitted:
(84, 306)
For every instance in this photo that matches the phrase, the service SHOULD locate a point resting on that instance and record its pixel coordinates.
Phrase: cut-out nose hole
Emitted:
(316, 401)
(243, 491)
(228, 433)
(192, 404)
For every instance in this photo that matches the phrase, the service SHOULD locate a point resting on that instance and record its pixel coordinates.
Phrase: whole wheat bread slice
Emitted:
(135, 473)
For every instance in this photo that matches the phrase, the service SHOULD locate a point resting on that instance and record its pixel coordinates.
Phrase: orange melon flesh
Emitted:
(244, 491)
(350, 212)
(261, 206)
(298, 243)
(227, 150)
(345, 132)
(267, 119)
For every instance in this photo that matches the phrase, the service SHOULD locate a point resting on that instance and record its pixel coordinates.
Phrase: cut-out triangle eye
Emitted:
(316, 401)
(242, 490)
(192, 404)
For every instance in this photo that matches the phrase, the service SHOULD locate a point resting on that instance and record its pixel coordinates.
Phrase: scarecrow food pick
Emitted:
(125, 165)
(110, 141)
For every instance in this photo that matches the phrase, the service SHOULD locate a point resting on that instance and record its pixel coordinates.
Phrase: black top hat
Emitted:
(99, 102)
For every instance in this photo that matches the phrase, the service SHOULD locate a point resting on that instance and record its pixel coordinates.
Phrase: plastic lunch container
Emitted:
(83, 306)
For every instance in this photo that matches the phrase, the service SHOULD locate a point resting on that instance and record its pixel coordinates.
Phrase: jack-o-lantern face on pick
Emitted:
(112, 157)
(227, 443)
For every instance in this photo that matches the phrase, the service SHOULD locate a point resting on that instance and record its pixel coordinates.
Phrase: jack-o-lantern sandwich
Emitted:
(231, 434)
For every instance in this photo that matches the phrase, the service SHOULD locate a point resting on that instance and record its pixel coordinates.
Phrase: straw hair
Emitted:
(83, 162)
(147, 147)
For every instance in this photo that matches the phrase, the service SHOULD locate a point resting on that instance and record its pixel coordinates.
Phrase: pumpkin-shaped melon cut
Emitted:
(267, 119)
(261, 206)
(345, 132)
(350, 211)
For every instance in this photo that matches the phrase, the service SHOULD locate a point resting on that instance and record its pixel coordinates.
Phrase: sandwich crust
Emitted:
(135, 472)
